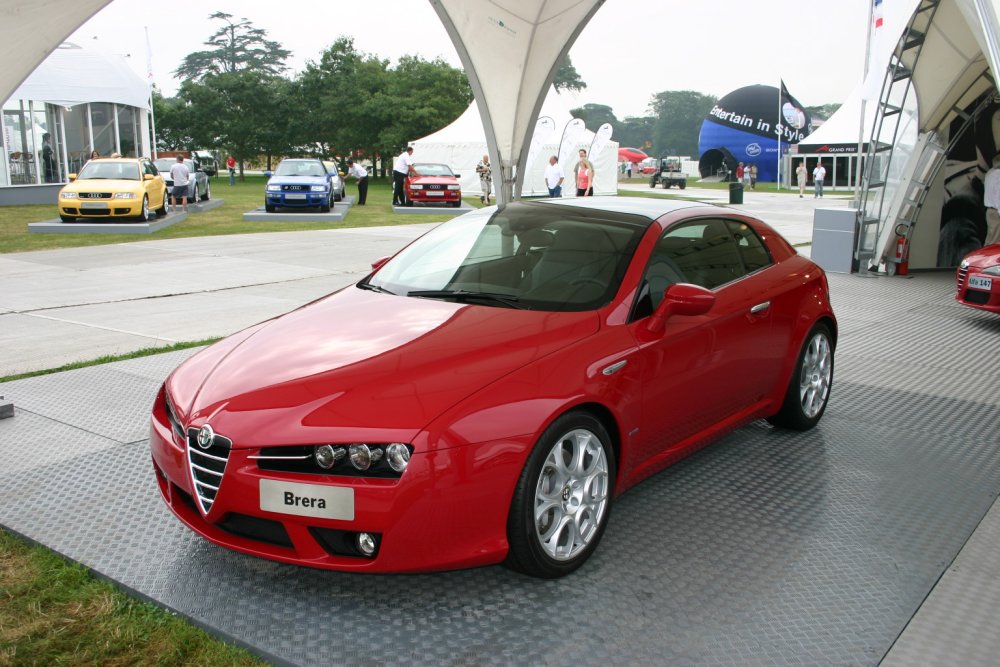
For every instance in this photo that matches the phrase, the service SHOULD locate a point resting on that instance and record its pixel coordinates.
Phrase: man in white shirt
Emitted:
(360, 173)
(554, 177)
(400, 171)
(180, 175)
(819, 173)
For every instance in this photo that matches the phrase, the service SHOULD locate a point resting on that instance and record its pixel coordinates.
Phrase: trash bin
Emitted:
(735, 193)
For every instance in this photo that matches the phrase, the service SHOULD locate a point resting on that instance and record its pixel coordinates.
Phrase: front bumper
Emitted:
(426, 196)
(110, 208)
(978, 297)
(303, 200)
(448, 510)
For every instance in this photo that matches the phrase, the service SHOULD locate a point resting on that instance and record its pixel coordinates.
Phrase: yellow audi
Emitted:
(114, 188)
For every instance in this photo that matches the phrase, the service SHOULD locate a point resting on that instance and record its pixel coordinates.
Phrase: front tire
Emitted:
(162, 211)
(563, 498)
(66, 218)
(208, 192)
(809, 388)
(144, 212)
(269, 208)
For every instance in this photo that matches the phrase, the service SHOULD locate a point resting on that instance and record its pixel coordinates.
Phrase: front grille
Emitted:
(962, 275)
(294, 188)
(207, 467)
(977, 297)
(435, 186)
(99, 212)
(95, 195)
(255, 528)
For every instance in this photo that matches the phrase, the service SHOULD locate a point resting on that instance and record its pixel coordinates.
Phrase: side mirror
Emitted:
(681, 299)
(458, 176)
(148, 177)
(72, 177)
(378, 263)
(268, 174)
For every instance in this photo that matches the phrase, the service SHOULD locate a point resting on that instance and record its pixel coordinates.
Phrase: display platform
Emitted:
(337, 214)
(96, 226)
(427, 209)
(768, 547)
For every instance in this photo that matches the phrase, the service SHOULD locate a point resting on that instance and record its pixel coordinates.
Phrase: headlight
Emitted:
(964, 264)
(274, 188)
(318, 188)
(363, 456)
(398, 456)
(416, 186)
(68, 195)
(454, 187)
(124, 195)
(992, 270)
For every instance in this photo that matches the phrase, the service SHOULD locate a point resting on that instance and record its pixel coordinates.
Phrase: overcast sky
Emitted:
(630, 50)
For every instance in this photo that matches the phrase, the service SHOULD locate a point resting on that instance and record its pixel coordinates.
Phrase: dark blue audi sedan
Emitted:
(299, 183)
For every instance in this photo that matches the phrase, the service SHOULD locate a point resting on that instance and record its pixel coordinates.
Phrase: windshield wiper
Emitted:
(509, 300)
(375, 288)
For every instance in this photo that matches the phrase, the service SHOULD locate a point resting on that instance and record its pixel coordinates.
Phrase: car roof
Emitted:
(648, 207)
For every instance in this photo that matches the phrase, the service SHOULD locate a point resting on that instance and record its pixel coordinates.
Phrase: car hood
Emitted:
(103, 185)
(984, 257)
(297, 180)
(359, 364)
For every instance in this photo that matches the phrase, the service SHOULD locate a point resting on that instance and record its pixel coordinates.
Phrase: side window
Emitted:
(752, 250)
(708, 252)
(149, 168)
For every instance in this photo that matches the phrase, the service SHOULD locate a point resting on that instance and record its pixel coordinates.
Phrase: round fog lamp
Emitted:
(326, 457)
(398, 456)
(366, 543)
(362, 457)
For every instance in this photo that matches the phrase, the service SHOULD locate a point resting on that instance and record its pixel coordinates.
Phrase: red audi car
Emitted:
(978, 279)
(485, 394)
(430, 183)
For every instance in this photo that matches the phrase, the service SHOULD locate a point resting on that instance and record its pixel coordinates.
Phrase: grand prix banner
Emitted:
(749, 122)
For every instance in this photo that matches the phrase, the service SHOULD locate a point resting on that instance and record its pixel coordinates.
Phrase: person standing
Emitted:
(360, 173)
(231, 165)
(485, 179)
(180, 175)
(819, 173)
(739, 172)
(584, 176)
(991, 199)
(753, 176)
(554, 177)
(746, 176)
(628, 168)
(48, 160)
(801, 176)
(400, 171)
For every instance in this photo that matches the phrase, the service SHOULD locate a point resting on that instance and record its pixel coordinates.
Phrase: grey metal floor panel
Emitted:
(766, 548)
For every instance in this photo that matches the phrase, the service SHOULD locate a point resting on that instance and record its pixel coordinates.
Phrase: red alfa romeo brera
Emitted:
(485, 394)
(978, 279)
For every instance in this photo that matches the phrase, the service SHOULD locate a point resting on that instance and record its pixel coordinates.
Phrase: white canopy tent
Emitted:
(462, 144)
(511, 50)
(31, 29)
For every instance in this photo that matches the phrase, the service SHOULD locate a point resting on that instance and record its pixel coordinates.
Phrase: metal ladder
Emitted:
(880, 210)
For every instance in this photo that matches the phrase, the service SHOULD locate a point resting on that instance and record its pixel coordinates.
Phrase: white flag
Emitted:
(544, 127)
(570, 141)
(601, 139)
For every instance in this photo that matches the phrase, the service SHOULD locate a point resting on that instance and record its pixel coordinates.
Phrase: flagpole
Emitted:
(781, 126)
(149, 81)
(864, 102)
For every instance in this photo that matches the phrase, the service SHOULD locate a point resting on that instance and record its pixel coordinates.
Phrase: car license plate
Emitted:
(435, 193)
(295, 196)
(981, 282)
(314, 500)
(93, 204)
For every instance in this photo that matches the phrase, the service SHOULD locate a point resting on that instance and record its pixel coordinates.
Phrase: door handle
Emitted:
(615, 367)
(760, 308)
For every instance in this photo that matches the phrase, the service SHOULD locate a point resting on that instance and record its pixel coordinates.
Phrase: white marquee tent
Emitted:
(462, 144)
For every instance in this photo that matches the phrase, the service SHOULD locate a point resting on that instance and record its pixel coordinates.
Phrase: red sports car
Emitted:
(485, 394)
(979, 279)
(430, 183)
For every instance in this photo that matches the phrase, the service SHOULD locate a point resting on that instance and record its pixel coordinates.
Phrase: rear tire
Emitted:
(809, 387)
(563, 498)
(162, 211)
(682, 185)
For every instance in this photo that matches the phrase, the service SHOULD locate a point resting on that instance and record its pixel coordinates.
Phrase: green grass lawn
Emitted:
(227, 219)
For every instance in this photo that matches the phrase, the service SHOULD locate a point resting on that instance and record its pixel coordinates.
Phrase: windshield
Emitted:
(300, 168)
(433, 170)
(541, 257)
(125, 171)
(164, 165)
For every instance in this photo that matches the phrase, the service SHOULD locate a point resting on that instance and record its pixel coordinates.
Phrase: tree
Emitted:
(424, 97)
(567, 78)
(595, 115)
(678, 117)
(236, 46)
(823, 111)
(637, 132)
